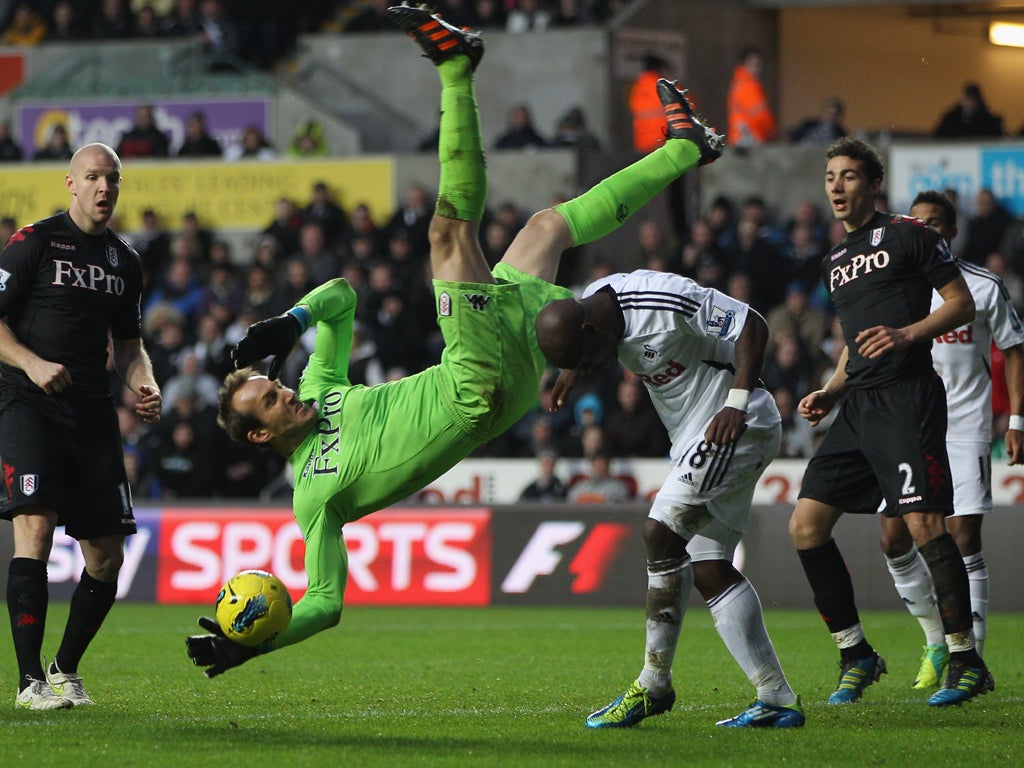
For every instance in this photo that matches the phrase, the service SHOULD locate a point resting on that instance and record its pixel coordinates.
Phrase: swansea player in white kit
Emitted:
(699, 352)
(962, 357)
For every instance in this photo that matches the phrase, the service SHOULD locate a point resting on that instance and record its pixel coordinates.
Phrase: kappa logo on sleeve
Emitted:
(4, 277)
(477, 301)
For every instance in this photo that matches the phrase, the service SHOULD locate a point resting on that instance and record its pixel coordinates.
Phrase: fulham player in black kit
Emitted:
(68, 285)
(888, 437)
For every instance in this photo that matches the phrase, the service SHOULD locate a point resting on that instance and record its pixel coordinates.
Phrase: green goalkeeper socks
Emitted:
(603, 208)
(462, 190)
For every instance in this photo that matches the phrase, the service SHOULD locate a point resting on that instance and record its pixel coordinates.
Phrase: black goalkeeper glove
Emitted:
(275, 336)
(215, 651)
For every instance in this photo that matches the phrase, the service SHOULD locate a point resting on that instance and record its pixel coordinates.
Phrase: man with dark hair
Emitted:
(970, 118)
(66, 284)
(889, 437)
(198, 141)
(144, 138)
(357, 449)
(963, 360)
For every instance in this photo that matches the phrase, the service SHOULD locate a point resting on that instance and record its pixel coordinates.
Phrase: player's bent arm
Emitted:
(730, 422)
(815, 406)
(314, 613)
(331, 308)
(1014, 372)
(835, 387)
(133, 364)
(48, 376)
(957, 309)
(750, 351)
(326, 564)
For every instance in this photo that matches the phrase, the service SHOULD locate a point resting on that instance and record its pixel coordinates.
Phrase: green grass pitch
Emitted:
(496, 687)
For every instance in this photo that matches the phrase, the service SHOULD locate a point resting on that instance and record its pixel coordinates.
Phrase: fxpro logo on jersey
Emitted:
(92, 277)
(324, 459)
(858, 266)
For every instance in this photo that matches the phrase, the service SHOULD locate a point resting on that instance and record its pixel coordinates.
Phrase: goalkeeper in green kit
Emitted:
(356, 449)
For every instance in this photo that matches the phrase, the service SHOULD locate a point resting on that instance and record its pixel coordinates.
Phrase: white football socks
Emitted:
(977, 578)
(913, 583)
(739, 620)
(668, 589)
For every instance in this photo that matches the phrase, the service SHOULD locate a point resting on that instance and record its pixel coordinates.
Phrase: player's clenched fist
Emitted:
(275, 336)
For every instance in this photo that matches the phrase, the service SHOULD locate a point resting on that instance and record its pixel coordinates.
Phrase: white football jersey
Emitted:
(963, 356)
(680, 339)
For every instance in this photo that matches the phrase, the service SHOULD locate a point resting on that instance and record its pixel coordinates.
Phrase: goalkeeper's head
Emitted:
(255, 410)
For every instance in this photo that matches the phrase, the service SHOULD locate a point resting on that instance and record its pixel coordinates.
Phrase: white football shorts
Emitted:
(710, 490)
(971, 466)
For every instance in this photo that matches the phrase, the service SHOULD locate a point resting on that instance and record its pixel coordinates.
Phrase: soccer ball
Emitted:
(253, 607)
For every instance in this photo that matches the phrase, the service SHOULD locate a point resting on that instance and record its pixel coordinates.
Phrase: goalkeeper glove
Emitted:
(275, 336)
(215, 651)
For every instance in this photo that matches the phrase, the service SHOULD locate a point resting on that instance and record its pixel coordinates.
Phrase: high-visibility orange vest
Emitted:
(648, 114)
(750, 119)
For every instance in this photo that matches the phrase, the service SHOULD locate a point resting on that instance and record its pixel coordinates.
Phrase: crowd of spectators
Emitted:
(261, 32)
(146, 138)
(200, 297)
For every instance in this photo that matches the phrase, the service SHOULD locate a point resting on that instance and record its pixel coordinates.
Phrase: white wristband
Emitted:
(738, 399)
(1017, 423)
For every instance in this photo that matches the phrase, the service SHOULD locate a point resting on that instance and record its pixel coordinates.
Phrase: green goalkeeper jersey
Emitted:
(377, 445)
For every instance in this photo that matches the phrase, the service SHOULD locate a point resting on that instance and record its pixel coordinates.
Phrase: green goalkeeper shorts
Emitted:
(491, 366)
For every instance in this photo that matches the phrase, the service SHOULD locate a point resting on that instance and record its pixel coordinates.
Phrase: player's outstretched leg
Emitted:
(438, 39)
(607, 205)
(631, 707)
(455, 254)
(683, 122)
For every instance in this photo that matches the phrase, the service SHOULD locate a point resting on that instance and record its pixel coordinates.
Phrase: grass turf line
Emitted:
(496, 686)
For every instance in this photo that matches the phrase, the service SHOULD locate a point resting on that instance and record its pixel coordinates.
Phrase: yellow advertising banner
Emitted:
(226, 196)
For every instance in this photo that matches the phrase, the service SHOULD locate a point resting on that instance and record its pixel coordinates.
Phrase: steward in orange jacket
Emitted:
(751, 120)
(645, 106)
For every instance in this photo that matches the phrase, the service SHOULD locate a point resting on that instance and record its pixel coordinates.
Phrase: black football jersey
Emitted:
(883, 274)
(61, 291)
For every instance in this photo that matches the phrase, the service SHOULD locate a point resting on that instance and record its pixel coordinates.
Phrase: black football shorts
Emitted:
(886, 442)
(66, 456)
